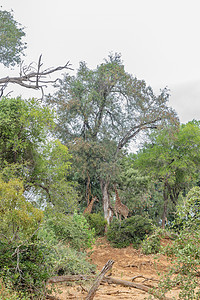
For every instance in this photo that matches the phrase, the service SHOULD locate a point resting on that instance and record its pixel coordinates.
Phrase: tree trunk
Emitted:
(165, 197)
(106, 201)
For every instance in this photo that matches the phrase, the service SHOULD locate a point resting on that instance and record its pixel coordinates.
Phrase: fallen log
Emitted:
(98, 280)
(103, 279)
(139, 286)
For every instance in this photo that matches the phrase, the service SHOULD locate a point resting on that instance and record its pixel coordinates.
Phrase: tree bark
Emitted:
(106, 201)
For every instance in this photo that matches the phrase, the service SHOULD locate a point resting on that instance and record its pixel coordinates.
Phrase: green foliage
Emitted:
(188, 210)
(11, 44)
(184, 252)
(91, 105)
(172, 160)
(59, 231)
(18, 218)
(134, 186)
(49, 177)
(24, 152)
(25, 267)
(23, 128)
(22, 262)
(27, 264)
(96, 221)
(7, 293)
(184, 255)
(152, 244)
(63, 259)
(81, 236)
(71, 261)
(130, 231)
(72, 229)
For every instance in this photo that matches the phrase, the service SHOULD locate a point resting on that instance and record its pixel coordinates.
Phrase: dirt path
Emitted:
(129, 262)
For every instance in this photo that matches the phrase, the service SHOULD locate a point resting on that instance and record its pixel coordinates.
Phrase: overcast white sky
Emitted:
(159, 40)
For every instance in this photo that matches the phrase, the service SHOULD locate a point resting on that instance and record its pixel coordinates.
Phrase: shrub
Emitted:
(184, 253)
(65, 260)
(71, 261)
(130, 231)
(24, 267)
(73, 229)
(7, 293)
(151, 244)
(96, 221)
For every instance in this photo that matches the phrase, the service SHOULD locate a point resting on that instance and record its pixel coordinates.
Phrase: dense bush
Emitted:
(184, 252)
(130, 231)
(25, 266)
(184, 255)
(96, 221)
(71, 261)
(7, 293)
(72, 229)
(152, 244)
(65, 260)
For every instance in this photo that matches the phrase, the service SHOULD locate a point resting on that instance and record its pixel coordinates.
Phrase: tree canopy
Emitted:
(107, 103)
(29, 151)
(11, 39)
(172, 158)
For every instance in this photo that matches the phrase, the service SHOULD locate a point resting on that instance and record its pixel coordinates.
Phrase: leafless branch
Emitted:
(98, 280)
(31, 77)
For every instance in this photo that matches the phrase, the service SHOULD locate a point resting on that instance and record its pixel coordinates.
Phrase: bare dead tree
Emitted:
(32, 77)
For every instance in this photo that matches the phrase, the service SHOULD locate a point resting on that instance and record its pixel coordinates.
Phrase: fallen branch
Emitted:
(141, 287)
(98, 280)
(104, 279)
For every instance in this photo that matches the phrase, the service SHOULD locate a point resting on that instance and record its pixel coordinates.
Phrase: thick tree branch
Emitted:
(32, 78)
(134, 131)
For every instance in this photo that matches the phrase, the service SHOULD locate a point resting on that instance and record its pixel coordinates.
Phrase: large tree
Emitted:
(107, 108)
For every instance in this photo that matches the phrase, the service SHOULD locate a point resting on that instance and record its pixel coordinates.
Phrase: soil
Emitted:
(129, 263)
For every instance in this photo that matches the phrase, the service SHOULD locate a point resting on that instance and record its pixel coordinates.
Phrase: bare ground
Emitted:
(129, 263)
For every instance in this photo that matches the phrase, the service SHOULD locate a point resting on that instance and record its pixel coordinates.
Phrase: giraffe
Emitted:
(88, 209)
(120, 208)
